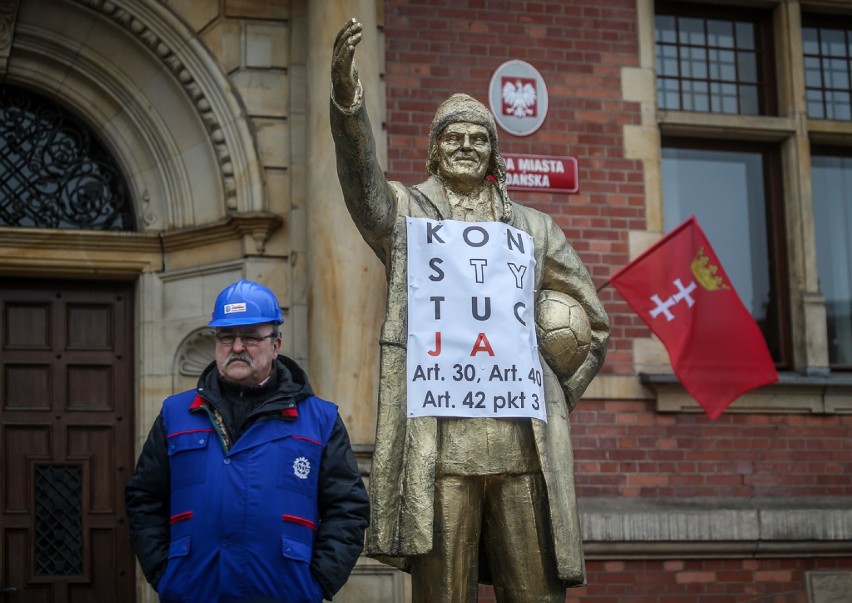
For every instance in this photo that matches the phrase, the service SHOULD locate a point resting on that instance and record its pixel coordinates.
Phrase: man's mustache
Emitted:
(235, 357)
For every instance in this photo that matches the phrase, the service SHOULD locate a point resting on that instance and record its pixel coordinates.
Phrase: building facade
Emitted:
(155, 151)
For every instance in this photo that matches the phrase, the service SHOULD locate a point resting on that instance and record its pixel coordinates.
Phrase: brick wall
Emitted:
(434, 49)
(626, 449)
(698, 581)
(622, 448)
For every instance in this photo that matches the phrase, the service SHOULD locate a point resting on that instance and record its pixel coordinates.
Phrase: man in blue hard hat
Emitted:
(247, 488)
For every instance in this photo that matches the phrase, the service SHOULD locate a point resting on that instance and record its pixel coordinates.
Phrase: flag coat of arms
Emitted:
(679, 288)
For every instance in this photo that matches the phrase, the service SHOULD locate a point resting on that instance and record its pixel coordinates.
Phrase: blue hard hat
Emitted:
(245, 303)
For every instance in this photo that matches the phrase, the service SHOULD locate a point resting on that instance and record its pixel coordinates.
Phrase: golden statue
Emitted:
(458, 501)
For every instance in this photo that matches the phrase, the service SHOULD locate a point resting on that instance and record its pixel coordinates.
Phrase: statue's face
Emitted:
(464, 151)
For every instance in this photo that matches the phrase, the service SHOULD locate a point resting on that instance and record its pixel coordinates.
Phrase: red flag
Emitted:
(679, 288)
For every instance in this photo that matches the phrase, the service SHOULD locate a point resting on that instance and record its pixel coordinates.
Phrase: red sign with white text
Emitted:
(544, 173)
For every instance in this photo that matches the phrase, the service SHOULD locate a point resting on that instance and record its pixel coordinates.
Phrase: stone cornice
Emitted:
(24, 239)
(31, 251)
(632, 528)
(257, 225)
(28, 251)
(717, 125)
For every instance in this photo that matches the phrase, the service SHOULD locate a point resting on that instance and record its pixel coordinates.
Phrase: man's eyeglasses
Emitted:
(248, 339)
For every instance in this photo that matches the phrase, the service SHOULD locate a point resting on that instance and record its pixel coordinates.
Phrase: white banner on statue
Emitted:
(471, 336)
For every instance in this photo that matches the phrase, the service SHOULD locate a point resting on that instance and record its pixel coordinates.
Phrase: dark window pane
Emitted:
(694, 64)
(813, 72)
(665, 30)
(727, 66)
(724, 98)
(836, 74)
(747, 65)
(815, 104)
(837, 105)
(832, 194)
(720, 33)
(810, 40)
(833, 43)
(748, 100)
(695, 97)
(668, 63)
(745, 36)
(691, 31)
(669, 94)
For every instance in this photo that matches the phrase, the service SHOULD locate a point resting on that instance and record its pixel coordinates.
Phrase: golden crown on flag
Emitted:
(705, 272)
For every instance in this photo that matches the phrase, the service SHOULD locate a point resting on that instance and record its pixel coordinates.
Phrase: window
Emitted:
(712, 62)
(750, 100)
(832, 192)
(729, 189)
(827, 53)
(53, 171)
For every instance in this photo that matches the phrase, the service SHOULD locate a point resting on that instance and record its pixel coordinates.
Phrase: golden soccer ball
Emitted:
(563, 331)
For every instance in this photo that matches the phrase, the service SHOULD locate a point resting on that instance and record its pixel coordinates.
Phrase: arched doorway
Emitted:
(66, 401)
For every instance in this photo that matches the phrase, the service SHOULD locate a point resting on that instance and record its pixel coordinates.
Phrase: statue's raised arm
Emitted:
(344, 74)
(368, 195)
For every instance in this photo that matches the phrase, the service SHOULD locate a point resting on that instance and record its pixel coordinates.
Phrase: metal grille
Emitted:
(53, 172)
(58, 520)
(710, 65)
(828, 72)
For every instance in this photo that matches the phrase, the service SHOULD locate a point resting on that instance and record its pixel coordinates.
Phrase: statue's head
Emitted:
(461, 108)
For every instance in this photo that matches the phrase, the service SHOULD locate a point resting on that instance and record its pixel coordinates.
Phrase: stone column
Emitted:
(345, 279)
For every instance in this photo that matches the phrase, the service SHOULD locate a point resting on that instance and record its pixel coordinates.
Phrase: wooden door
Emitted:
(66, 441)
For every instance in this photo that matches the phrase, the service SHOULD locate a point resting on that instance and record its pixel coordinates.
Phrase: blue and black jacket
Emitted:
(247, 494)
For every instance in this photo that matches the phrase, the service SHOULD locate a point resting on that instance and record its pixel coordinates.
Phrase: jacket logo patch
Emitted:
(302, 467)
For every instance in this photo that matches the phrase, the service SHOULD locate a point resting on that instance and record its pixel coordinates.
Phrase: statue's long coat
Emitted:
(403, 471)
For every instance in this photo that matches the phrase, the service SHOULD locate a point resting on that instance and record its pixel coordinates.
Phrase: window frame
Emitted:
(810, 385)
(826, 21)
(764, 45)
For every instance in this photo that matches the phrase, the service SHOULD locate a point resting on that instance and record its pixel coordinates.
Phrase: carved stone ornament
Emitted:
(203, 83)
(196, 352)
(8, 15)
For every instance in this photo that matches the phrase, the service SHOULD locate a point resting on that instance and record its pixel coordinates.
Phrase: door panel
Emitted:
(66, 428)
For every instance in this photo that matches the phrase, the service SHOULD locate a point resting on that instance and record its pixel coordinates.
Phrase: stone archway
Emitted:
(162, 104)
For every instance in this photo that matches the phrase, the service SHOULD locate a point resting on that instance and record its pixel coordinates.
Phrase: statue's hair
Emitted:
(462, 108)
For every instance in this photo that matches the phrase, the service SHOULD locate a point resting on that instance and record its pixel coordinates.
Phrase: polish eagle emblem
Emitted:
(518, 98)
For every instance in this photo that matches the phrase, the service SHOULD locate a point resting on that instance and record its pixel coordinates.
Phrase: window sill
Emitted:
(747, 127)
(793, 393)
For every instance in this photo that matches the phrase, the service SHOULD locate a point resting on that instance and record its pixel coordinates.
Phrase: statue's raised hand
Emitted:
(344, 74)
